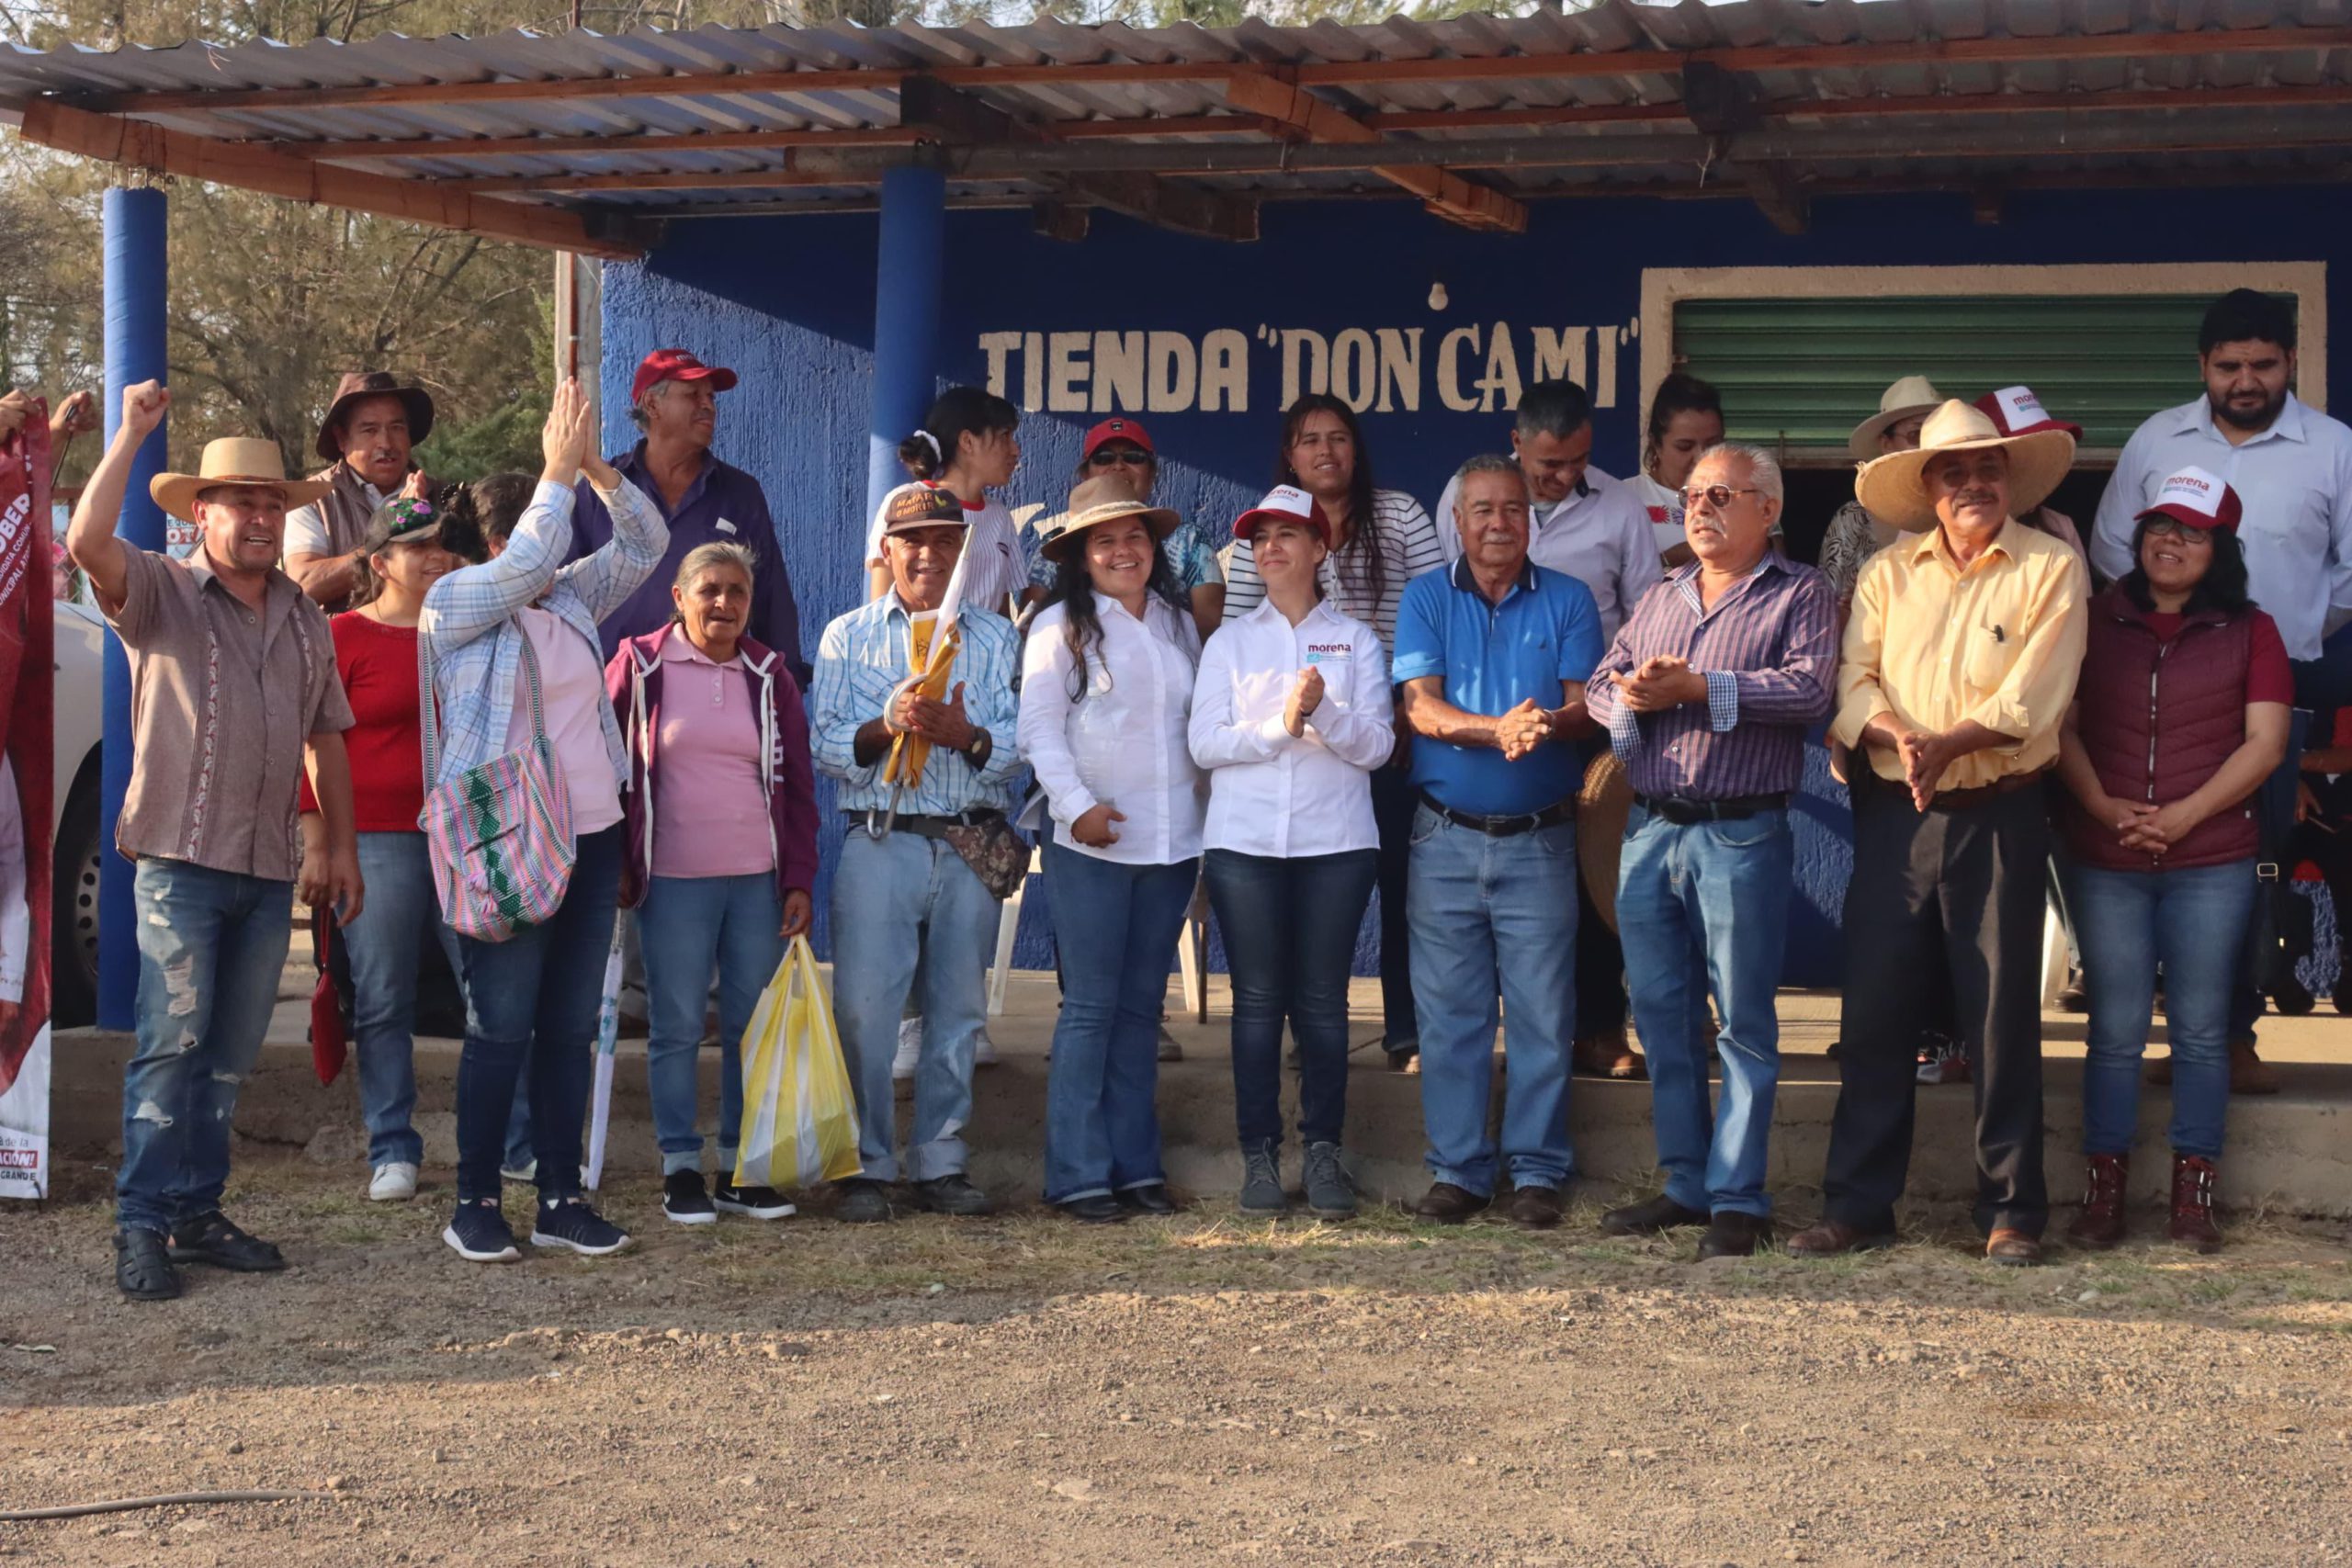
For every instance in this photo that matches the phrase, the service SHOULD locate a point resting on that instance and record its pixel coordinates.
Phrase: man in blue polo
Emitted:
(1493, 654)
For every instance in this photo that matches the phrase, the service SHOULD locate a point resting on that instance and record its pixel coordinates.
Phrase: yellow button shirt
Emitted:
(1935, 644)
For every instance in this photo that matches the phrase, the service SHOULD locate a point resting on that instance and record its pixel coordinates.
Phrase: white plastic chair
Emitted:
(1192, 949)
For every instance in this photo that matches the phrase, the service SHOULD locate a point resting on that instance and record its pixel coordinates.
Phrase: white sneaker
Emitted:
(983, 1049)
(394, 1184)
(902, 1066)
(525, 1174)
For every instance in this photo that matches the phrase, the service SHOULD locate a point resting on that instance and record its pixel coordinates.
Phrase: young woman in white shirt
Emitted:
(1106, 687)
(1686, 418)
(967, 444)
(1292, 716)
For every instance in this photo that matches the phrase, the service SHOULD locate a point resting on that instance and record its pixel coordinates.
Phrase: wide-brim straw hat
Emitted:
(1093, 504)
(1911, 395)
(1895, 487)
(232, 461)
(1604, 803)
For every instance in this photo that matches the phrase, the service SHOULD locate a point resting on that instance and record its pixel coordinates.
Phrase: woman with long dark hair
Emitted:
(2181, 714)
(967, 444)
(1381, 539)
(1106, 692)
(1686, 418)
(1122, 448)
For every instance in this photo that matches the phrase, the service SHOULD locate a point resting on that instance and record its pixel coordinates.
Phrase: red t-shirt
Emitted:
(386, 741)
(2268, 677)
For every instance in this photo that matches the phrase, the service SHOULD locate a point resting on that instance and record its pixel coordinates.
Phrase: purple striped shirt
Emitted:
(1769, 650)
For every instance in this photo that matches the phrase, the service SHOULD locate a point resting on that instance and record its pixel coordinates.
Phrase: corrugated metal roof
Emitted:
(2087, 89)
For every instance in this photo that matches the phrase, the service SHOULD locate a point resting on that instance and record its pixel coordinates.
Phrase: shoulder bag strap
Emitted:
(428, 717)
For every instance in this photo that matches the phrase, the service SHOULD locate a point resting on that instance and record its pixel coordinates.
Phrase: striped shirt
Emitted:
(1408, 546)
(1769, 650)
(863, 659)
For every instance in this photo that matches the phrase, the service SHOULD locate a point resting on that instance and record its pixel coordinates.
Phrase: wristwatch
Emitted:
(983, 746)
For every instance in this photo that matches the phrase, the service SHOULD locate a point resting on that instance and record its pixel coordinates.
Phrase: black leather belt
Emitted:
(1504, 826)
(922, 826)
(1683, 811)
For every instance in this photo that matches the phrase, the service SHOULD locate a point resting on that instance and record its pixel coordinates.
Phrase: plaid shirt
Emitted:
(863, 659)
(470, 634)
(1769, 650)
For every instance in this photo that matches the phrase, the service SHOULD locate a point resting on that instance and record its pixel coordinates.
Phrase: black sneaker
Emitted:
(570, 1222)
(212, 1238)
(759, 1202)
(952, 1195)
(478, 1233)
(683, 1199)
(862, 1202)
(142, 1266)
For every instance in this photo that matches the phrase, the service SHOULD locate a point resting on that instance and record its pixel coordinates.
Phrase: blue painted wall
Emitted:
(788, 303)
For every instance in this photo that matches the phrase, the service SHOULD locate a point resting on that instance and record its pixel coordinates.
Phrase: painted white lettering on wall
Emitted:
(1481, 368)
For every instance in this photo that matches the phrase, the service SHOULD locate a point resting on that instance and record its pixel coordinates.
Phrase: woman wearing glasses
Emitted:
(1122, 448)
(2180, 715)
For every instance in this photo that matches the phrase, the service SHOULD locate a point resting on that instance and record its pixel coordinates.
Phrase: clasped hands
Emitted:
(941, 724)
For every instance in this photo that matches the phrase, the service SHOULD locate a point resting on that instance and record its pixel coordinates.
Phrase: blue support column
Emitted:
(135, 251)
(906, 318)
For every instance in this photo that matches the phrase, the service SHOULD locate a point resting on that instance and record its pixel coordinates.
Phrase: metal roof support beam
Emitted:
(1452, 198)
(137, 145)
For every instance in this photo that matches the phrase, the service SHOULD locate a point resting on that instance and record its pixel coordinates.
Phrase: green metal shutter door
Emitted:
(1801, 373)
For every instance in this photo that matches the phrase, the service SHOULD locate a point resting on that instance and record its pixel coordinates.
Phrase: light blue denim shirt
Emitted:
(863, 659)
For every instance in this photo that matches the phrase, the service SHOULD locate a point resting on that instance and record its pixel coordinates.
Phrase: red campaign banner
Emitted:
(28, 628)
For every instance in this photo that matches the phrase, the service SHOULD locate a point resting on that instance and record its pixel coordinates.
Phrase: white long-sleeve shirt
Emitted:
(2295, 482)
(15, 913)
(1271, 793)
(1122, 742)
(1601, 535)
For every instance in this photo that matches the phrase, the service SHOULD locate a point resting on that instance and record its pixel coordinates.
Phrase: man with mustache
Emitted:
(1707, 696)
(2291, 467)
(1959, 663)
(366, 436)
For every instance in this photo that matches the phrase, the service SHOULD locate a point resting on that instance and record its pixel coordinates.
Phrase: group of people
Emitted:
(542, 703)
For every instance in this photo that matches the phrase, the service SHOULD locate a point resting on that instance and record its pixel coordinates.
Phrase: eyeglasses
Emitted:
(1120, 457)
(2174, 528)
(1716, 496)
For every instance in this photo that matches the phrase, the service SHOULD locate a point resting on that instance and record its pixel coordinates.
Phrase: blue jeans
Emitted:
(400, 914)
(1494, 914)
(690, 925)
(2131, 921)
(1290, 939)
(1699, 909)
(212, 948)
(1117, 925)
(531, 1004)
(892, 897)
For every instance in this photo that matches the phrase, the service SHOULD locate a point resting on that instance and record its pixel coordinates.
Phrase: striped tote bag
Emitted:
(500, 833)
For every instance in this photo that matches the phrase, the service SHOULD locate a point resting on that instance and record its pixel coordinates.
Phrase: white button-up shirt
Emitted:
(1599, 535)
(1121, 742)
(2295, 481)
(1271, 793)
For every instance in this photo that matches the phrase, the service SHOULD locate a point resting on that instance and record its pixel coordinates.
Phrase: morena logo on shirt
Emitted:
(1316, 652)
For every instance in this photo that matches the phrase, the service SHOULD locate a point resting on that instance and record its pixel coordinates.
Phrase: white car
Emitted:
(79, 720)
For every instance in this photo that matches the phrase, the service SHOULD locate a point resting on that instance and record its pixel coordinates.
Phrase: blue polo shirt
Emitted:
(1494, 657)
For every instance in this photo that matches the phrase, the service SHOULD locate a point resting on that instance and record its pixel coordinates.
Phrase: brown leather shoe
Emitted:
(1834, 1238)
(1533, 1208)
(2249, 1074)
(2012, 1248)
(2192, 1203)
(1733, 1235)
(1650, 1217)
(1447, 1204)
(2100, 1225)
(1607, 1057)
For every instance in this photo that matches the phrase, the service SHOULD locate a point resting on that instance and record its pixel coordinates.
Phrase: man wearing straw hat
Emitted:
(1960, 661)
(1854, 535)
(922, 743)
(366, 437)
(234, 687)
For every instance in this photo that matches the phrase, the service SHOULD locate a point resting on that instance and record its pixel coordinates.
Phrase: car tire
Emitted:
(73, 907)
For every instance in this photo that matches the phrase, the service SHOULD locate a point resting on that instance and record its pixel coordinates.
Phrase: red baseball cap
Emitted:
(2015, 410)
(1285, 503)
(1116, 429)
(2198, 499)
(677, 364)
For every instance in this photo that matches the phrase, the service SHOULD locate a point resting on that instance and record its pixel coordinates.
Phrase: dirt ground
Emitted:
(1019, 1390)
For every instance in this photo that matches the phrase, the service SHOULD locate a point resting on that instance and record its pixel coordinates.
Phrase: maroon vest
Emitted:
(2158, 720)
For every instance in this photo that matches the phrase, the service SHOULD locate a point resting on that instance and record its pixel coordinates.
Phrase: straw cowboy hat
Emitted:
(1099, 500)
(361, 384)
(1603, 805)
(232, 461)
(1911, 395)
(1895, 487)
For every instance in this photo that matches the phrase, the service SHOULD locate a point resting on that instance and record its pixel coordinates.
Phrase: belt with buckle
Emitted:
(923, 826)
(1682, 810)
(1504, 826)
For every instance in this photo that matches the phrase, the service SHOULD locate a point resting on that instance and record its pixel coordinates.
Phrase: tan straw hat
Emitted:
(1911, 395)
(1104, 500)
(232, 461)
(1603, 805)
(1895, 487)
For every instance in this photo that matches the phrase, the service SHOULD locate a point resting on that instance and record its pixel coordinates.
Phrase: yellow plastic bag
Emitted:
(799, 1117)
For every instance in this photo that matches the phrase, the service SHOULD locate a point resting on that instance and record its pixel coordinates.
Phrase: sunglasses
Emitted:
(1716, 496)
(2173, 528)
(1120, 457)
